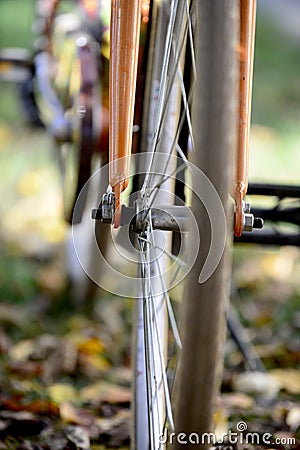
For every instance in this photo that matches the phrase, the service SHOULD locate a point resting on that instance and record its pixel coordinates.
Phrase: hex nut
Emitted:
(248, 222)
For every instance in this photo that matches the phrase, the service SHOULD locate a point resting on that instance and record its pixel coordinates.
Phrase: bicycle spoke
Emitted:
(149, 346)
(168, 302)
(163, 84)
(168, 83)
(176, 71)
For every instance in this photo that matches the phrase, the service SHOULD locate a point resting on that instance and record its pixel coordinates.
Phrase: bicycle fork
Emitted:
(246, 51)
(125, 26)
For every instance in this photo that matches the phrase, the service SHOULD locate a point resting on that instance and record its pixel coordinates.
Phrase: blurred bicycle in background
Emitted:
(63, 85)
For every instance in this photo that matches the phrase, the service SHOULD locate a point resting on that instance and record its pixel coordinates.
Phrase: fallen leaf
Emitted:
(293, 418)
(270, 350)
(62, 392)
(25, 368)
(35, 349)
(62, 360)
(105, 392)
(40, 406)
(236, 400)
(257, 383)
(115, 431)
(279, 413)
(13, 415)
(22, 350)
(287, 379)
(121, 375)
(78, 416)
(220, 422)
(78, 436)
(93, 365)
(50, 280)
(91, 346)
(54, 438)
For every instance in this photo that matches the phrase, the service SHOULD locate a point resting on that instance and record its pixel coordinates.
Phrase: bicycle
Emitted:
(170, 45)
(61, 90)
(218, 59)
(209, 66)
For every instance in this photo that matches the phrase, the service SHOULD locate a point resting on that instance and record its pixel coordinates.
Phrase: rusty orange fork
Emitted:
(124, 43)
(246, 50)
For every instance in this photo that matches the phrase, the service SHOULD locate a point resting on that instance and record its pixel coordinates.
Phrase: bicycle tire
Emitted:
(205, 305)
(214, 111)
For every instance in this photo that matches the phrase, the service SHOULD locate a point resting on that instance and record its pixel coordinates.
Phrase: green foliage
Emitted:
(17, 279)
(276, 96)
(16, 17)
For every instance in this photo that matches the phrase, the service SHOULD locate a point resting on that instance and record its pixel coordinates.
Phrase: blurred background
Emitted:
(39, 321)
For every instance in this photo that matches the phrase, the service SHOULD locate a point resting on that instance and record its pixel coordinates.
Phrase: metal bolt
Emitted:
(247, 207)
(248, 222)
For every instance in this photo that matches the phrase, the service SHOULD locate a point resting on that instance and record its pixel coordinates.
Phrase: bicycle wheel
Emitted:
(190, 128)
(204, 35)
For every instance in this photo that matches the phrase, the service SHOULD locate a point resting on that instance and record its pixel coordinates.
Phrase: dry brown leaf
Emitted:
(36, 349)
(93, 365)
(40, 406)
(25, 368)
(78, 416)
(117, 428)
(279, 413)
(62, 360)
(257, 383)
(22, 350)
(78, 436)
(287, 379)
(105, 392)
(121, 375)
(293, 418)
(236, 400)
(270, 350)
(50, 279)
